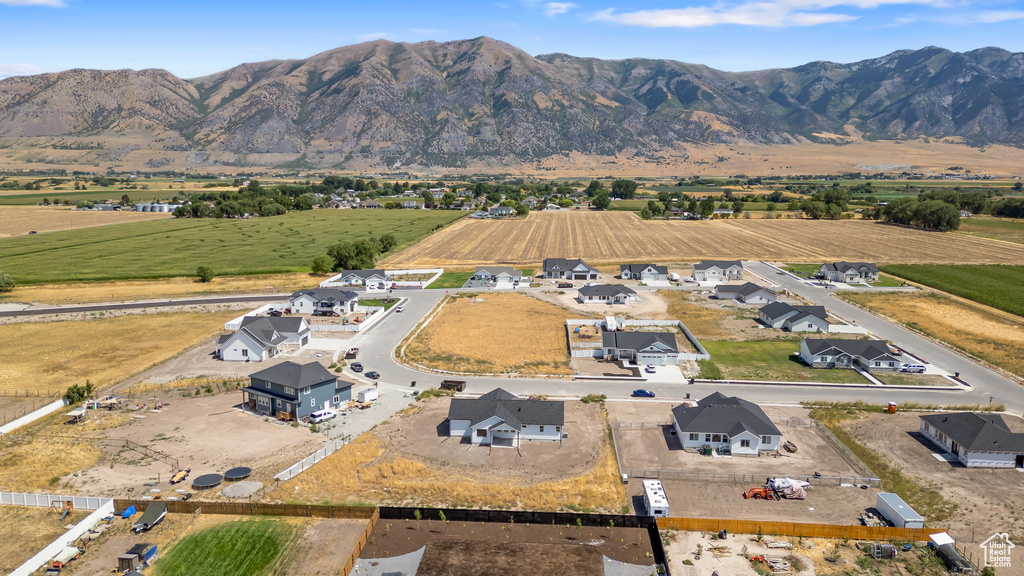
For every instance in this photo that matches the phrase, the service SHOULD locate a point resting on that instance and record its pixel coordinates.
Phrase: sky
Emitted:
(192, 38)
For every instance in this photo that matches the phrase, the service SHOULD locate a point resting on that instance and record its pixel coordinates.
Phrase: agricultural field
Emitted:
(1001, 287)
(992, 335)
(50, 356)
(175, 247)
(25, 530)
(1006, 229)
(26, 198)
(768, 360)
(240, 548)
(20, 220)
(472, 333)
(618, 237)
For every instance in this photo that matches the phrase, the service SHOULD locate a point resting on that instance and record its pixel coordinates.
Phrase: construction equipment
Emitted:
(62, 559)
(759, 494)
(180, 475)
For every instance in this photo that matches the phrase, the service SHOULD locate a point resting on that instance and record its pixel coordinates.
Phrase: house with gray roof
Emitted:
(871, 355)
(977, 440)
(848, 272)
(569, 269)
(748, 293)
(794, 318)
(362, 277)
(717, 270)
(643, 272)
(606, 294)
(502, 211)
(323, 302)
(498, 274)
(259, 338)
(294, 389)
(500, 418)
(642, 348)
(726, 424)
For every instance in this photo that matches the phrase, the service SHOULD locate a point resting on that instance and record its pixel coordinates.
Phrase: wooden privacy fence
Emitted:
(256, 509)
(354, 557)
(798, 529)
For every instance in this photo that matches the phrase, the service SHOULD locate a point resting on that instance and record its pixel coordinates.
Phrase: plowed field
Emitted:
(623, 237)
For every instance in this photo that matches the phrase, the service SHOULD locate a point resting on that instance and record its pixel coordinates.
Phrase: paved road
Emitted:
(150, 304)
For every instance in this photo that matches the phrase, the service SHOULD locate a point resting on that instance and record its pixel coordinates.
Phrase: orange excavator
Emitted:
(759, 494)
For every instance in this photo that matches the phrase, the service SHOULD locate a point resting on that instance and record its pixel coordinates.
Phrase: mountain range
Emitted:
(384, 104)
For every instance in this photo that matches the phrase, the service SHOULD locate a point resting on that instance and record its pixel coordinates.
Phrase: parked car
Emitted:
(650, 369)
(689, 279)
(565, 284)
(352, 353)
(275, 313)
(322, 416)
(372, 375)
(357, 367)
(400, 308)
(913, 368)
(641, 393)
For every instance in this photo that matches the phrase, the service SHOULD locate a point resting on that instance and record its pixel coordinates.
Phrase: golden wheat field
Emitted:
(624, 237)
(18, 220)
(50, 356)
(495, 333)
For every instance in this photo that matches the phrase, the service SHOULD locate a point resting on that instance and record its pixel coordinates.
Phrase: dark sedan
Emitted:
(372, 375)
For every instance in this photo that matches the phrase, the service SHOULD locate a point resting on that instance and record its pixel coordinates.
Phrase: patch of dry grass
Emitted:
(40, 463)
(703, 321)
(989, 334)
(494, 333)
(18, 220)
(51, 356)
(25, 530)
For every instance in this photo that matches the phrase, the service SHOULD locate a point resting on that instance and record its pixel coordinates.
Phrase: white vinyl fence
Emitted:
(102, 507)
(299, 467)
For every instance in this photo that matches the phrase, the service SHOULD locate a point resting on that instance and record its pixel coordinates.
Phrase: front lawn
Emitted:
(802, 269)
(770, 360)
(387, 303)
(451, 280)
(242, 548)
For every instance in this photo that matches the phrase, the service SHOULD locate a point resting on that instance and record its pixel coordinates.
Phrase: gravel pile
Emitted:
(242, 489)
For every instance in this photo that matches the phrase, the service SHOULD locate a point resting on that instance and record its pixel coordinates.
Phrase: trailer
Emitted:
(457, 385)
(367, 395)
(945, 549)
(153, 515)
(655, 500)
(898, 512)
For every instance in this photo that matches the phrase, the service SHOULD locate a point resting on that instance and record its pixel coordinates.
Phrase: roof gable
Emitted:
(722, 414)
(606, 290)
(296, 375)
(639, 340)
(509, 408)
(720, 264)
(979, 432)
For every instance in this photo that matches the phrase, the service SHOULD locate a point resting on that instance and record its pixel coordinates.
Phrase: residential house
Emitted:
(657, 348)
(552, 208)
(871, 355)
(502, 211)
(723, 212)
(297, 390)
(850, 272)
(643, 272)
(977, 440)
(261, 337)
(717, 270)
(566, 269)
(362, 277)
(370, 204)
(748, 293)
(795, 318)
(481, 214)
(498, 274)
(530, 201)
(500, 418)
(410, 204)
(726, 424)
(323, 302)
(606, 294)
(966, 214)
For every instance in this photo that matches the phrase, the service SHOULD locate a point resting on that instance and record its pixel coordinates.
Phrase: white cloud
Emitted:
(996, 16)
(51, 3)
(373, 36)
(8, 70)
(552, 9)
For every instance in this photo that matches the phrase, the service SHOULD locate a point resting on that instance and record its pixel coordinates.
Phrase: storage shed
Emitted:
(898, 512)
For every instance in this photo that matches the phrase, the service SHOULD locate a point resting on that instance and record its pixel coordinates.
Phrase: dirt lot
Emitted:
(323, 548)
(716, 319)
(410, 459)
(583, 234)
(649, 303)
(683, 546)
(598, 367)
(25, 530)
(18, 220)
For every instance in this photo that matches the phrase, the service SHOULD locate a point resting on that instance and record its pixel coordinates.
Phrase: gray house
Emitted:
(323, 301)
(502, 274)
(726, 423)
(871, 355)
(748, 293)
(362, 277)
(977, 440)
(717, 270)
(261, 337)
(795, 318)
(850, 272)
(500, 418)
(657, 348)
(297, 390)
(574, 269)
(643, 272)
(502, 211)
(606, 294)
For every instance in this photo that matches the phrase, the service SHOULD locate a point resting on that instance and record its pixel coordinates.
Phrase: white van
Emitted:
(322, 415)
(914, 368)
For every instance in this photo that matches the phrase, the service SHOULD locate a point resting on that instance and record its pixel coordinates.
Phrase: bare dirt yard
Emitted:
(585, 234)
(649, 305)
(323, 548)
(683, 546)
(25, 530)
(18, 220)
(410, 460)
(714, 319)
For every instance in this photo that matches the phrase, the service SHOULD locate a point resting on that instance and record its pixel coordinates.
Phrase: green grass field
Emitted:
(168, 248)
(996, 228)
(802, 269)
(34, 198)
(998, 286)
(451, 280)
(770, 360)
(242, 548)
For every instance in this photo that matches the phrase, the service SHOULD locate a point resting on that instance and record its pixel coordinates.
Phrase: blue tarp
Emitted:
(129, 512)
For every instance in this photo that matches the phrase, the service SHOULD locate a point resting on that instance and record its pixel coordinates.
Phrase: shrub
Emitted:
(6, 282)
(205, 273)
(593, 398)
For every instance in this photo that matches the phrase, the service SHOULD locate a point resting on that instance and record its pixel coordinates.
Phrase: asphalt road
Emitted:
(134, 305)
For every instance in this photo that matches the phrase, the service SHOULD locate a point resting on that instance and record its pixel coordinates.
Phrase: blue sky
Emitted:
(192, 38)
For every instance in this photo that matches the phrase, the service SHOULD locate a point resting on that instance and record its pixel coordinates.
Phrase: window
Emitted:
(745, 443)
(262, 401)
(694, 437)
(716, 437)
(725, 437)
(481, 433)
(245, 352)
(267, 384)
(305, 390)
(289, 390)
(707, 437)
(541, 428)
(312, 402)
(337, 400)
(558, 428)
(766, 439)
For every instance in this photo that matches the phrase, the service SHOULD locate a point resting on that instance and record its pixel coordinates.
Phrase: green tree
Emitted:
(592, 189)
(387, 242)
(624, 188)
(6, 282)
(645, 213)
(522, 209)
(706, 207)
(601, 201)
(389, 205)
(125, 200)
(737, 207)
(77, 393)
(813, 209)
(205, 273)
(321, 265)
(794, 205)
(770, 207)
(1017, 186)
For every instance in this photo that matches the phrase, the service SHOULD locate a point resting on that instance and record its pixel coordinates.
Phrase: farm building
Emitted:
(717, 270)
(748, 293)
(794, 318)
(261, 337)
(726, 423)
(606, 294)
(871, 355)
(850, 272)
(323, 301)
(500, 418)
(575, 269)
(361, 277)
(977, 440)
(498, 274)
(657, 348)
(643, 272)
(294, 390)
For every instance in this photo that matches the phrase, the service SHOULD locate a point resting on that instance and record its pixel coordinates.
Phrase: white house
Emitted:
(606, 294)
(498, 274)
(726, 423)
(261, 337)
(748, 293)
(500, 418)
(977, 440)
(323, 302)
(567, 269)
(643, 272)
(717, 270)
(643, 348)
(362, 277)
(795, 318)
(849, 272)
(502, 211)
(871, 355)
